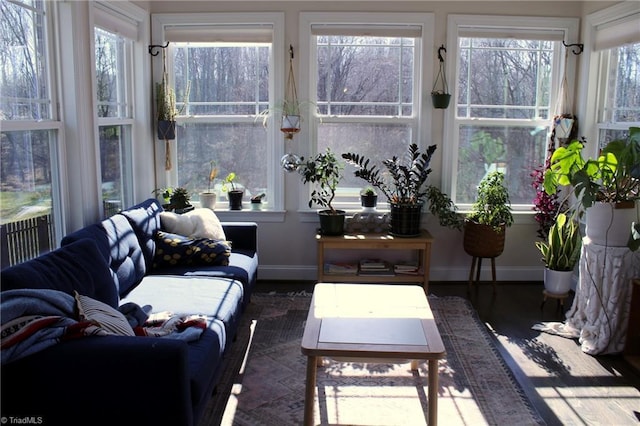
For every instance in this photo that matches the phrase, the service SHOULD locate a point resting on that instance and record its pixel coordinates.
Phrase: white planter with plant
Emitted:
(209, 198)
(613, 178)
(560, 254)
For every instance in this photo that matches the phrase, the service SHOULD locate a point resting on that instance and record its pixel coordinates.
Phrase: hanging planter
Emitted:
(440, 97)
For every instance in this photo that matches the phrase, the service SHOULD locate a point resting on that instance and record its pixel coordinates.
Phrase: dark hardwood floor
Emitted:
(567, 386)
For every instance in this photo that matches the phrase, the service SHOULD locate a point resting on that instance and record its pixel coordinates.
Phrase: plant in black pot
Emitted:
(325, 172)
(234, 193)
(179, 200)
(368, 199)
(405, 189)
(490, 215)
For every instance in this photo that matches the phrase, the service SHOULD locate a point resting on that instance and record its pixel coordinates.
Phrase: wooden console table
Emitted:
(421, 243)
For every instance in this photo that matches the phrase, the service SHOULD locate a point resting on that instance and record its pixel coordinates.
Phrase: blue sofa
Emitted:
(129, 379)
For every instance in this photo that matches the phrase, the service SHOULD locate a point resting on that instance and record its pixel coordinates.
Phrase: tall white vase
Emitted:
(610, 225)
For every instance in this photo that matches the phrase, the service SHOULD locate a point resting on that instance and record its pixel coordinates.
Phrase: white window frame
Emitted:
(275, 148)
(595, 66)
(114, 18)
(53, 124)
(497, 25)
(423, 54)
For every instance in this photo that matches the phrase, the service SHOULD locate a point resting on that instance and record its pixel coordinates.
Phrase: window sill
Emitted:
(248, 215)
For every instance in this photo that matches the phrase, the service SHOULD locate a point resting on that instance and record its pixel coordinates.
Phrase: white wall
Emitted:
(287, 247)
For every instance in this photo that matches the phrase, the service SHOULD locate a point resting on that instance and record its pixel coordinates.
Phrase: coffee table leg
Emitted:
(433, 392)
(310, 390)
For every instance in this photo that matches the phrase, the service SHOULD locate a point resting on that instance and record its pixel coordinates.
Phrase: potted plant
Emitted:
(325, 172)
(166, 110)
(485, 225)
(165, 193)
(256, 201)
(208, 199)
(234, 193)
(404, 187)
(440, 97)
(368, 199)
(607, 187)
(179, 200)
(560, 253)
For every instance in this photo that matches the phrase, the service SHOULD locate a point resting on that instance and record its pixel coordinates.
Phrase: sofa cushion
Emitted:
(126, 257)
(218, 299)
(174, 249)
(107, 318)
(198, 223)
(145, 221)
(78, 266)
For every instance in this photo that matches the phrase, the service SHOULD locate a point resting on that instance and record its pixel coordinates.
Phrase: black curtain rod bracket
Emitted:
(578, 47)
(157, 46)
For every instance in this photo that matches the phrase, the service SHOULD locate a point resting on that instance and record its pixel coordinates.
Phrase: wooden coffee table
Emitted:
(377, 322)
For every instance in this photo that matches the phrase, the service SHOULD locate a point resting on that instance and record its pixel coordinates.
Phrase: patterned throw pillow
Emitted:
(104, 316)
(174, 250)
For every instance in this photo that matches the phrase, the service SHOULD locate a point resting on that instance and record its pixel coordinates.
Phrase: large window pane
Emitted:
(114, 159)
(627, 83)
(516, 151)
(504, 78)
(26, 224)
(235, 147)
(110, 81)
(365, 75)
(24, 87)
(361, 138)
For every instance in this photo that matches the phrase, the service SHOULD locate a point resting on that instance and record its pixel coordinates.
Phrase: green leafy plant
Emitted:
(180, 198)
(561, 251)
(325, 171)
(165, 193)
(228, 184)
(492, 206)
(613, 177)
(404, 182)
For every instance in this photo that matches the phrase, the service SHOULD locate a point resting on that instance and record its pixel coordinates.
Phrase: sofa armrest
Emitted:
(243, 235)
(102, 380)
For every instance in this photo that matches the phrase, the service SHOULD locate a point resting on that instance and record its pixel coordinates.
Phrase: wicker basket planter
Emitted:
(483, 240)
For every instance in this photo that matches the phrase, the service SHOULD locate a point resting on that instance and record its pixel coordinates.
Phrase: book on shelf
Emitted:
(374, 264)
(343, 268)
(406, 268)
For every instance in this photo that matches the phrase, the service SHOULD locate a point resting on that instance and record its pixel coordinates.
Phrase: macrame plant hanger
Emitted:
(167, 145)
(291, 118)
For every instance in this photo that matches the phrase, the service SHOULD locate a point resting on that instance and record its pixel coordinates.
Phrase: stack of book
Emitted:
(341, 268)
(406, 268)
(376, 267)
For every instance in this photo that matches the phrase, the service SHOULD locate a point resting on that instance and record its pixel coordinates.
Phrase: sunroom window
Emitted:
(222, 68)
(507, 86)
(30, 133)
(365, 81)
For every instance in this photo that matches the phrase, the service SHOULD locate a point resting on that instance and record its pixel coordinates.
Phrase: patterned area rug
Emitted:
(265, 379)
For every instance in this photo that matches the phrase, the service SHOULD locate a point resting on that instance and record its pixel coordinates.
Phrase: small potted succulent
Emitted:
(179, 200)
(256, 201)
(368, 199)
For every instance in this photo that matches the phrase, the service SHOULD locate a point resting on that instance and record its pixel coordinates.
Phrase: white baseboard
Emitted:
(309, 273)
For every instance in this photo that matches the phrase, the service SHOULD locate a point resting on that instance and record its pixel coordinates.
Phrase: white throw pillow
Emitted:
(198, 223)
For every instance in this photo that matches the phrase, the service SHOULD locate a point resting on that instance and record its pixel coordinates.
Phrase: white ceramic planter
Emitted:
(609, 226)
(557, 282)
(208, 200)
